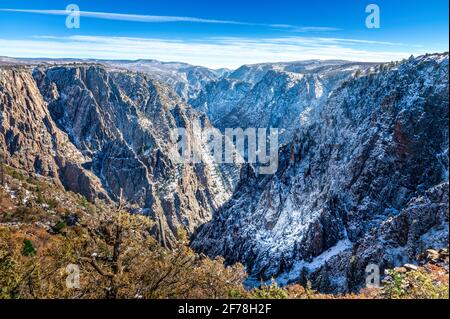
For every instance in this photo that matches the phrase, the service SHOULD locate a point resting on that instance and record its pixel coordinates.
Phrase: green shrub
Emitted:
(59, 226)
(18, 175)
(414, 285)
(235, 294)
(269, 292)
(39, 197)
(28, 248)
(52, 203)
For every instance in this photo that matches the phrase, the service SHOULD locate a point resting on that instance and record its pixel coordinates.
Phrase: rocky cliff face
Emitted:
(30, 139)
(281, 95)
(366, 181)
(99, 132)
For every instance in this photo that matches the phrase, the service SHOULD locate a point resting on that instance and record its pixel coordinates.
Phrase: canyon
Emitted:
(363, 165)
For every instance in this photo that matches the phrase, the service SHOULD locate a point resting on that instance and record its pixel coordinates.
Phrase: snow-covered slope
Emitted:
(280, 95)
(364, 182)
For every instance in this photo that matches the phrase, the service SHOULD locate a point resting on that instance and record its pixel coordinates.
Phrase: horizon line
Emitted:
(86, 60)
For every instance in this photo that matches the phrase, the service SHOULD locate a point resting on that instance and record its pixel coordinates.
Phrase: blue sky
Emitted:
(224, 33)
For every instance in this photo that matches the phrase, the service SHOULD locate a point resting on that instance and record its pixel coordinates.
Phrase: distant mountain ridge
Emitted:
(187, 80)
(279, 95)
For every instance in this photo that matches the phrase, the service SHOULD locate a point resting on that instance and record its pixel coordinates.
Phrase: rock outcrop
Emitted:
(30, 139)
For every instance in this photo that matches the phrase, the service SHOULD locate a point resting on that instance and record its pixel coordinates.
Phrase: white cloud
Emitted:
(129, 17)
(230, 52)
(161, 19)
(314, 29)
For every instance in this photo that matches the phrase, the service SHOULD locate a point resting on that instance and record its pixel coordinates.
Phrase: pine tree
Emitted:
(303, 278)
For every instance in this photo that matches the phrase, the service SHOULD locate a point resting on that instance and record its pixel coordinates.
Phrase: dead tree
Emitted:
(111, 263)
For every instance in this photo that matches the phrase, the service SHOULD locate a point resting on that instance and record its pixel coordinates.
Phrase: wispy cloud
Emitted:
(167, 19)
(228, 52)
(314, 29)
(129, 17)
